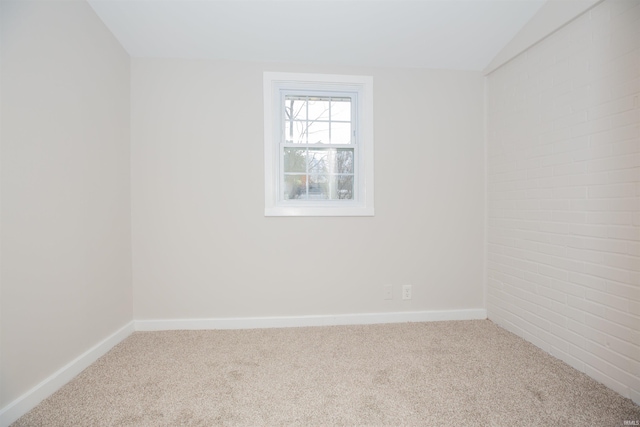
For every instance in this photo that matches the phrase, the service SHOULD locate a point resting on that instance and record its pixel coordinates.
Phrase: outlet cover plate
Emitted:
(406, 291)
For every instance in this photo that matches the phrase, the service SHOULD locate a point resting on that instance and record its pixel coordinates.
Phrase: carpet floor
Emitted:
(466, 373)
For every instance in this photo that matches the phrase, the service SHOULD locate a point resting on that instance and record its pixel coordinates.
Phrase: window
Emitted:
(318, 145)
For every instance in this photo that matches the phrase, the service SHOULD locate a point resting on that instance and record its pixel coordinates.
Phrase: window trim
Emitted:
(274, 83)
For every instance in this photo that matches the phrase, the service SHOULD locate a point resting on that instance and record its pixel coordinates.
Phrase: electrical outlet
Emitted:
(406, 292)
(388, 292)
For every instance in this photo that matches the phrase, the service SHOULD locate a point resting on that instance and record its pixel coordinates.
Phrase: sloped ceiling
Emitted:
(444, 34)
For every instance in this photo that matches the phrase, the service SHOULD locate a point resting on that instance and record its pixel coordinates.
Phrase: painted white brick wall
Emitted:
(563, 188)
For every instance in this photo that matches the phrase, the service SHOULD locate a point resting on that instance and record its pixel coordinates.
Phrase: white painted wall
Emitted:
(202, 247)
(66, 259)
(564, 195)
(552, 15)
(1, 340)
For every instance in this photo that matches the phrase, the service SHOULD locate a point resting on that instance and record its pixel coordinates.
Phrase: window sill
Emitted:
(318, 211)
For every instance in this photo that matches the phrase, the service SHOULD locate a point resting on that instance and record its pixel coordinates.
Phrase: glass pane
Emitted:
(318, 109)
(295, 160)
(295, 108)
(341, 109)
(343, 161)
(294, 132)
(342, 187)
(319, 187)
(318, 133)
(295, 187)
(341, 133)
(319, 161)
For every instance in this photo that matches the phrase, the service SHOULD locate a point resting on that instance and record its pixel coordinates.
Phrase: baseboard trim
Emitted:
(46, 388)
(298, 321)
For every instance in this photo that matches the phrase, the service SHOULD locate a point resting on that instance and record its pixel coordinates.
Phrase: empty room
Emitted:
(319, 212)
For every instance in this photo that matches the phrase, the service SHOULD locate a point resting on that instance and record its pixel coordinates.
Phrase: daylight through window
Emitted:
(318, 148)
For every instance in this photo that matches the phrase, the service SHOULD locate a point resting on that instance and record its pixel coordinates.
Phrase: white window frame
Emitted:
(275, 86)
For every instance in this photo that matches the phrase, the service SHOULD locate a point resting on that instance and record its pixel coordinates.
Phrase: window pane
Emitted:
(319, 161)
(295, 132)
(343, 161)
(295, 160)
(342, 187)
(295, 108)
(318, 109)
(319, 187)
(341, 133)
(318, 133)
(341, 109)
(295, 187)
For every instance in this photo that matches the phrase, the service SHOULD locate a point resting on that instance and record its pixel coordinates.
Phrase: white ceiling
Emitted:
(446, 34)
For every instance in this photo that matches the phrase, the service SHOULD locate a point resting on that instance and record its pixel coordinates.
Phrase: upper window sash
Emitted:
(318, 117)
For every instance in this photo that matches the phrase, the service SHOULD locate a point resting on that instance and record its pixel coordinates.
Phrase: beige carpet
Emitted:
(467, 373)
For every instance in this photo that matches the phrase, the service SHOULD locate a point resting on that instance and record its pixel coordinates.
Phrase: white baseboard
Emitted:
(46, 388)
(297, 321)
